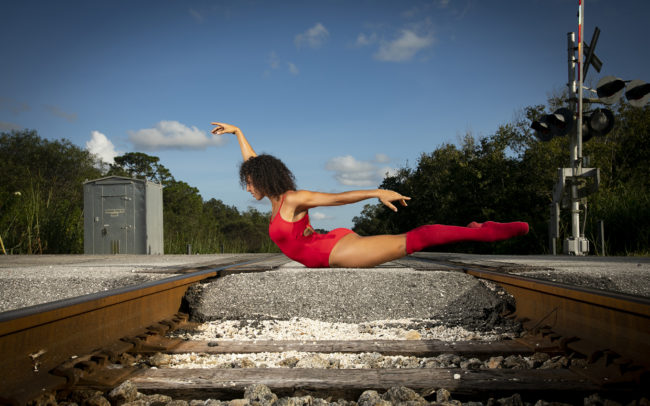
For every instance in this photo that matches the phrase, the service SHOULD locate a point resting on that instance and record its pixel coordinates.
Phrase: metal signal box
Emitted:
(123, 216)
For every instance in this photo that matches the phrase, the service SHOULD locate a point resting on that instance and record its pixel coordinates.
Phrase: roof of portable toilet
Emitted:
(118, 179)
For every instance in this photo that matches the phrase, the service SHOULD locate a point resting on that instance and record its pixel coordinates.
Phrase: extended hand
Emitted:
(388, 196)
(223, 128)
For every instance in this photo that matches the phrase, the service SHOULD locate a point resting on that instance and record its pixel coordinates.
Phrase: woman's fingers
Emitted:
(388, 204)
(389, 196)
(220, 128)
(402, 200)
(217, 129)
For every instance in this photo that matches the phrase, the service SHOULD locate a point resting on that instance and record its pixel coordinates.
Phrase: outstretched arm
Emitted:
(305, 200)
(246, 149)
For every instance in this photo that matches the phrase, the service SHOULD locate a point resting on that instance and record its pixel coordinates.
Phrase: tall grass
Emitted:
(625, 211)
(215, 244)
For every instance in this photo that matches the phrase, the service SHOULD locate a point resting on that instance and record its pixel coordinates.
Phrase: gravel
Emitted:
(627, 281)
(260, 395)
(351, 296)
(28, 280)
(627, 275)
(364, 360)
(384, 303)
(314, 330)
(26, 287)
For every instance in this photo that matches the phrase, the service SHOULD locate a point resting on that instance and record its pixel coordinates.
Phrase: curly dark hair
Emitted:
(268, 174)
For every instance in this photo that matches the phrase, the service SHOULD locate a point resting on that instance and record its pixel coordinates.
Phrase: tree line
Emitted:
(41, 201)
(508, 175)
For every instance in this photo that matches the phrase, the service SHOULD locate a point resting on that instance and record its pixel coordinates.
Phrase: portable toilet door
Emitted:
(118, 218)
(113, 218)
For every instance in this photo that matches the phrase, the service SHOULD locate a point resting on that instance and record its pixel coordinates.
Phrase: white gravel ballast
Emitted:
(310, 305)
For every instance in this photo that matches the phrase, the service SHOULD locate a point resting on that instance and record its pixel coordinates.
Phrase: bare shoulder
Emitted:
(295, 204)
(297, 198)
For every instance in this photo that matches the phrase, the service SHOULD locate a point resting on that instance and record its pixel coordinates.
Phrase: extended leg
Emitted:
(438, 234)
(355, 251)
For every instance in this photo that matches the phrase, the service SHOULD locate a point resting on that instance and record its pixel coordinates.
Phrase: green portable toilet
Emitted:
(123, 216)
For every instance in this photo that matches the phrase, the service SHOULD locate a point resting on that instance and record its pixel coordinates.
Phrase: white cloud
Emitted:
(313, 37)
(382, 158)
(352, 172)
(274, 60)
(196, 15)
(101, 146)
(404, 47)
(173, 135)
(316, 215)
(7, 126)
(365, 40)
(293, 69)
(13, 105)
(71, 117)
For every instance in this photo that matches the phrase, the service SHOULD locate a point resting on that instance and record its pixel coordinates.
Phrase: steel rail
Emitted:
(603, 326)
(590, 322)
(36, 339)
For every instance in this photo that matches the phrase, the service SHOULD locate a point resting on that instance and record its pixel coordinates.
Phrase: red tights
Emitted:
(438, 234)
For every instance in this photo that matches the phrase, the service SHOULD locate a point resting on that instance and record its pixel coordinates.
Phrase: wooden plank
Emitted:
(205, 265)
(350, 383)
(269, 264)
(417, 348)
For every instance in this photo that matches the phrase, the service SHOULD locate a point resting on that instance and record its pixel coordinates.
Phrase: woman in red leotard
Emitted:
(266, 176)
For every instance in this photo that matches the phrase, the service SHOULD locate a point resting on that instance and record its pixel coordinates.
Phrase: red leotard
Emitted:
(312, 250)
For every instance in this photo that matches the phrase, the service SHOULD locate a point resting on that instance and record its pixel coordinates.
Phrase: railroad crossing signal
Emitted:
(590, 55)
(599, 123)
(610, 90)
(581, 126)
(638, 93)
(558, 124)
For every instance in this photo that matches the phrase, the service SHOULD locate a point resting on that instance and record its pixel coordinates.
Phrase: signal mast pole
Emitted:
(576, 153)
(576, 244)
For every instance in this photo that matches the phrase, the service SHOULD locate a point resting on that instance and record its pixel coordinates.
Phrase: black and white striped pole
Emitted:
(572, 180)
(576, 244)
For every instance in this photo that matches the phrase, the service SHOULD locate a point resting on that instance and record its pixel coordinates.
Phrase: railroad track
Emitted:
(77, 343)
(351, 383)
(50, 346)
(609, 329)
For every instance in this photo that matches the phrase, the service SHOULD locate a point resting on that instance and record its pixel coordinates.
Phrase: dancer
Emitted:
(267, 177)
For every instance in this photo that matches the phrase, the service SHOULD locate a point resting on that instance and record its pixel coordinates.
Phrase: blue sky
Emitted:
(342, 91)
